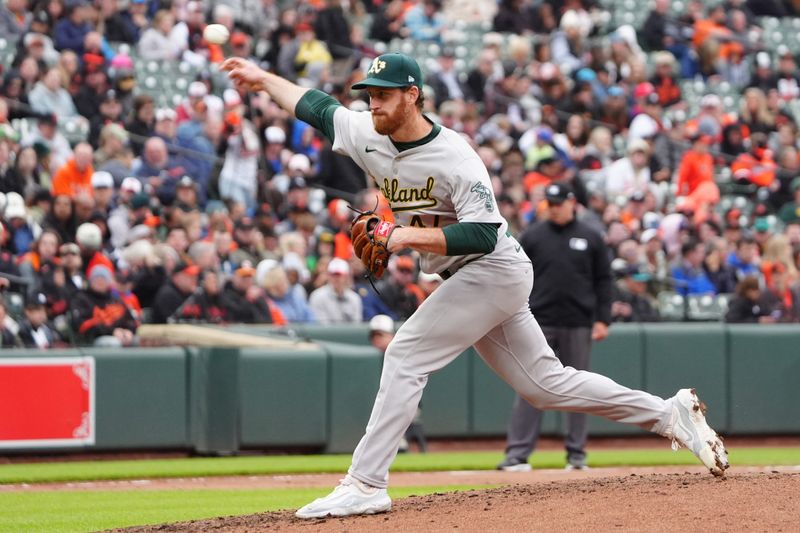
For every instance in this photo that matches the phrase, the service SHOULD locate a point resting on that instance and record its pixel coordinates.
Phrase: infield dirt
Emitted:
(687, 501)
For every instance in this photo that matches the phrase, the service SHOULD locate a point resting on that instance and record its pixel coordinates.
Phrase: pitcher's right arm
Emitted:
(309, 105)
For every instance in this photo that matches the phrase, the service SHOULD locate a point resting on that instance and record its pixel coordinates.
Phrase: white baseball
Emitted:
(216, 34)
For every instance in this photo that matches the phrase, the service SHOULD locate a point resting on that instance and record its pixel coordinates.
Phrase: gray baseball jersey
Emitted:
(435, 184)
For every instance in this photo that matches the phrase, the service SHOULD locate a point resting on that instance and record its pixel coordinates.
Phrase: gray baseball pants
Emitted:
(573, 347)
(485, 304)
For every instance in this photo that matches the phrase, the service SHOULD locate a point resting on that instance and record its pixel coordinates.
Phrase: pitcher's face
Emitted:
(390, 108)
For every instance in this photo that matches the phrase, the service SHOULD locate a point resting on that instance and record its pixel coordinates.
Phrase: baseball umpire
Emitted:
(571, 301)
(442, 200)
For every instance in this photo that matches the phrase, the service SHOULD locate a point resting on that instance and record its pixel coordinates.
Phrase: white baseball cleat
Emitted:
(690, 429)
(351, 497)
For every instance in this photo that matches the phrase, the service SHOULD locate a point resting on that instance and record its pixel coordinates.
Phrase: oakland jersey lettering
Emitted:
(409, 198)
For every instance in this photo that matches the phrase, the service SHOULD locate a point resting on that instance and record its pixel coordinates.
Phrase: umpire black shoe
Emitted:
(512, 464)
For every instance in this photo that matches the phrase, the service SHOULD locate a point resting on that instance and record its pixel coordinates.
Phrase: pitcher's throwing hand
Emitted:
(245, 74)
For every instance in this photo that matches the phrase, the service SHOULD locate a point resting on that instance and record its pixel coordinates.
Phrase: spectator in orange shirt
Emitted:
(75, 177)
(548, 168)
(713, 39)
(696, 176)
(757, 165)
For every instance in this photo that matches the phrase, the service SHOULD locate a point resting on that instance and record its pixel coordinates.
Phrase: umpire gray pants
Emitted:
(573, 347)
(485, 304)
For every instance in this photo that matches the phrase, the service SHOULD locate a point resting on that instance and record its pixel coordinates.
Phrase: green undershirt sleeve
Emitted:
(317, 108)
(465, 238)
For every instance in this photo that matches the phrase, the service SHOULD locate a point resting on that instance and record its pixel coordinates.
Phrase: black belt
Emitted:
(450, 272)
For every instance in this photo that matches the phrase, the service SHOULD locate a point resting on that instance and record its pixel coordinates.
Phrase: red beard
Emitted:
(386, 124)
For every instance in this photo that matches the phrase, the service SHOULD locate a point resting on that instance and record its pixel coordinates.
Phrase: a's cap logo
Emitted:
(377, 66)
(411, 79)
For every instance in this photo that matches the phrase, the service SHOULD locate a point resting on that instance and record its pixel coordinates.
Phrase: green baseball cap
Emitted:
(392, 71)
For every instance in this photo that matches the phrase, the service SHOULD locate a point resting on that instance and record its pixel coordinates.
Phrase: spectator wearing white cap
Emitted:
(166, 124)
(275, 143)
(119, 219)
(381, 331)
(89, 237)
(631, 173)
(22, 231)
(335, 302)
(195, 94)
(102, 191)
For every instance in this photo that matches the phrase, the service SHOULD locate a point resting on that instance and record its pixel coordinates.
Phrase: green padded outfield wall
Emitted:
(141, 397)
(764, 379)
(689, 355)
(619, 357)
(353, 377)
(284, 397)
(342, 333)
(319, 398)
(214, 400)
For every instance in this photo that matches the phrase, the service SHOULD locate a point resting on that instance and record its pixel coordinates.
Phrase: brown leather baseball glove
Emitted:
(370, 235)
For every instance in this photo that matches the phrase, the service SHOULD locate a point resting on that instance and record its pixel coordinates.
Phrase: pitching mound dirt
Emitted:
(684, 502)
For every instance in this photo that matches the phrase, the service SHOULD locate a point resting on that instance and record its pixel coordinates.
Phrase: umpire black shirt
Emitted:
(572, 274)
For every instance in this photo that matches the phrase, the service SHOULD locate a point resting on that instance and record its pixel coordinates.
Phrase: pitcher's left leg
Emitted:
(516, 350)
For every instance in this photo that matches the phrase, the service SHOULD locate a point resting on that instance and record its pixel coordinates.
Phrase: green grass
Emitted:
(300, 464)
(62, 511)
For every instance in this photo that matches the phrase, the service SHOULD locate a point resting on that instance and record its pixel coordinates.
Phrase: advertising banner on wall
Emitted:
(47, 402)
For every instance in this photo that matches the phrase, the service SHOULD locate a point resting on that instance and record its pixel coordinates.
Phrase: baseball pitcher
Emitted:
(442, 200)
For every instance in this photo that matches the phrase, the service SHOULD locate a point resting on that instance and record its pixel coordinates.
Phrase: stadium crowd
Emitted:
(219, 208)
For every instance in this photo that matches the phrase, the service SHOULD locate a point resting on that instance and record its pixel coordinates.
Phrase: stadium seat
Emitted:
(15, 305)
(706, 307)
(150, 83)
(671, 306)
(74, 129)
(23, 126)
(181, 84)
